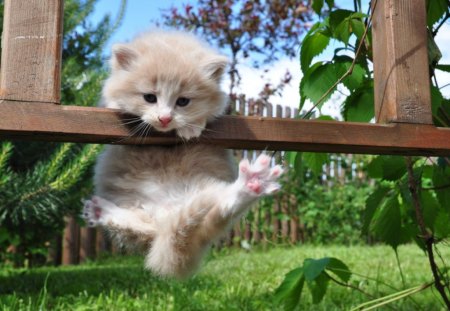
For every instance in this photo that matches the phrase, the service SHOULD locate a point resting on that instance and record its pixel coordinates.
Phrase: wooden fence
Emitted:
(273, 221)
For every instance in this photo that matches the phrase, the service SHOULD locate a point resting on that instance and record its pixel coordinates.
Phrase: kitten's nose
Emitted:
(165, 120)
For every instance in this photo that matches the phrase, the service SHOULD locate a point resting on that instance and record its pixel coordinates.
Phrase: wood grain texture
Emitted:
(31, 50)
(49, 122)
(401, 74)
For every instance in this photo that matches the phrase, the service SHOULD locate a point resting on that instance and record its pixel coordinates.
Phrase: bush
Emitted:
(332, 214)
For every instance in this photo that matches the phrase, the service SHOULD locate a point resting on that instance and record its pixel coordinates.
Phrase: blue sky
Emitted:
(138, 16)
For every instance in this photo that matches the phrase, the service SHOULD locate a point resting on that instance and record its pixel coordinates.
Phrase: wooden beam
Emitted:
(49, 122)
(401, 74)
(31, 50)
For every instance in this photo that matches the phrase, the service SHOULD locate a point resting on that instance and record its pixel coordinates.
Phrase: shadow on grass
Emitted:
(88, 283)
(93, 280)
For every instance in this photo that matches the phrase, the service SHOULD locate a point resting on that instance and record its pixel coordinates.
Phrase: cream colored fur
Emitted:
(171, 202)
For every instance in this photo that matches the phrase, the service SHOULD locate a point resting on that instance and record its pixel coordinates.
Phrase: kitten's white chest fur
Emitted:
(171, 202)
(158, 179)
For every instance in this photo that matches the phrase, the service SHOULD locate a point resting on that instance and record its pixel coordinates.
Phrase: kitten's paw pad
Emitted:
(93, 211)
(189, 132)
(258, 177)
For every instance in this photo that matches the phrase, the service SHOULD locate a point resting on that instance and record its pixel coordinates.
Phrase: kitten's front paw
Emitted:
(258, 177)
(94, 212)
(189, 132)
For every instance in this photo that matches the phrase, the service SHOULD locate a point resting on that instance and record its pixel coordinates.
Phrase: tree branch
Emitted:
(426, 235)
(349, 286)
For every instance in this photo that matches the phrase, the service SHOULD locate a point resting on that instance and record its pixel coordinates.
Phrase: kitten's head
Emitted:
(170, 80)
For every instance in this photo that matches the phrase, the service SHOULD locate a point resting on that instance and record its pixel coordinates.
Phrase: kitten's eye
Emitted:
(182, 101)
(150, 98)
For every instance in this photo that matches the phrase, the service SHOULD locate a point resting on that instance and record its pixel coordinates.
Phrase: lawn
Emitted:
(229, 280)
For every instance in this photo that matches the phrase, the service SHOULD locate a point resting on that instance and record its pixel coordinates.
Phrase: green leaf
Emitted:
(317, 6)
(315, 161)
(356, 78)
(443, 114)
(443, 67)
(430, 208)
(330, 3)
(324, 117)
(434, 53)
(387, 167)
(436, 99)
(312, 46)
(290, 290)
(359, 106)
(372, 203)
(343, 31)
(318, 287)
(337, 17)
(304, 80)
(295, 160)
(317, 81)
(441, 183)
(375, 167)
(357, 27)
(339, 268)
(441, 226)
(387, 224)
(344, 23)
(394, 167)
(312, 268)
(435, 10)
(290, 157)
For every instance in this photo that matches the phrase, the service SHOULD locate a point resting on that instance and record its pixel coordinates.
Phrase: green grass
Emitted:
(229, 280)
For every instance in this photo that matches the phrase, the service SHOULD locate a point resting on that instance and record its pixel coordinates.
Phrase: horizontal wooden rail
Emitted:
(50, 122)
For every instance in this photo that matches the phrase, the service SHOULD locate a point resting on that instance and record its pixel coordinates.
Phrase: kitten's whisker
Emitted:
(131, 122)
(133, 132)
(130, 119)
(147, 131)
(142, 133)
(200, 127)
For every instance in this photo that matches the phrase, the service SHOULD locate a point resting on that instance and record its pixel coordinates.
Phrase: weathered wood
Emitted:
(402, 88)
(71, 243)
(31, 50)
(88, 238)
(49, 122)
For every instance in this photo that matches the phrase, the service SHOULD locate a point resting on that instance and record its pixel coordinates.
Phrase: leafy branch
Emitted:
(426, 235)
(349, 71)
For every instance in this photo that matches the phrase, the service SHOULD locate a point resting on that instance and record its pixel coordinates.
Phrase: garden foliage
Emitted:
(407, 191)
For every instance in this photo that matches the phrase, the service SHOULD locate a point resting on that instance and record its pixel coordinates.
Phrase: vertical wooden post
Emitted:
(71, 243)
(402, 88)
(88, 238)
(31, 50)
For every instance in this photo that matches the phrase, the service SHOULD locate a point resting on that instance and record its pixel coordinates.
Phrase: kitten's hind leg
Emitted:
(185, 236)
(101, 212)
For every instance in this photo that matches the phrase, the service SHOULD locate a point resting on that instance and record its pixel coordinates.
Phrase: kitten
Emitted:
(171, 202)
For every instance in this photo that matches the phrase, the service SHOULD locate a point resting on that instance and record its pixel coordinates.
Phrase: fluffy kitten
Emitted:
(171, 202)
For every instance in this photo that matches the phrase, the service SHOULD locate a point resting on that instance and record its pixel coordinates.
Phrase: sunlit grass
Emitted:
(229, 280)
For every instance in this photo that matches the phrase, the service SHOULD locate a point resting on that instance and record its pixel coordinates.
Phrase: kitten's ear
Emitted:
(214, 67)
(122, 57)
